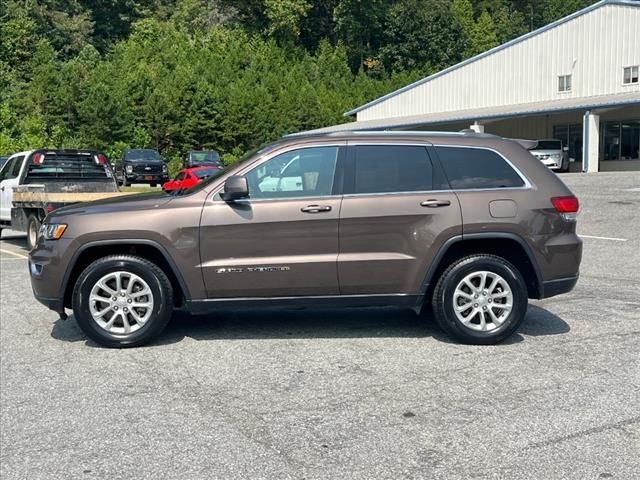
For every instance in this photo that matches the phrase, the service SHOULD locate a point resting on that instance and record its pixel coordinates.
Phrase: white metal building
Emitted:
(576, 80)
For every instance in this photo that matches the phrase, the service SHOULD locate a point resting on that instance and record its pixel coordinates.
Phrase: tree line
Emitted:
(225, 75)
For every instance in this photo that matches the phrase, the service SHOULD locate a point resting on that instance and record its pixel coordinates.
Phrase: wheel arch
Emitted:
(509, 246)
(147, 249)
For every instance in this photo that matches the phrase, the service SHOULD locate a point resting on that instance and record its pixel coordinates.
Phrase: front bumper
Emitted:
(47, 269)
(55, 304)
(553, 164)
(142, 178)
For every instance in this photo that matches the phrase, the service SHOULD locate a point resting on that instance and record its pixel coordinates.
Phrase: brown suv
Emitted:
(471, 224)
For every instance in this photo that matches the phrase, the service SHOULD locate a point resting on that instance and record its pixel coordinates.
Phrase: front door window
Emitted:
(305, 172)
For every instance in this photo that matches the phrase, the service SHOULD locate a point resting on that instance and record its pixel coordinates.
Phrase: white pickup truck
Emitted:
(36, 182)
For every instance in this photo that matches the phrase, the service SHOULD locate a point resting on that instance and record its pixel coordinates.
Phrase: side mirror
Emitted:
(235, 188)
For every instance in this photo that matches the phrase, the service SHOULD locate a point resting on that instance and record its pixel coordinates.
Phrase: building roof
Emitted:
(635, 3)
(490, 113)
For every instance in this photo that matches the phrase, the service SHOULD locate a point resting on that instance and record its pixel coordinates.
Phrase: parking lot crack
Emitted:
(585, 433)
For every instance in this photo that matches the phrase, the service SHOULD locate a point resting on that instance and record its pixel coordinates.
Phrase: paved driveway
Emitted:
(370, 394)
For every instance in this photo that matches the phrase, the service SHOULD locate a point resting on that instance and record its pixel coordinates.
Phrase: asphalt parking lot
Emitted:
(357, 394)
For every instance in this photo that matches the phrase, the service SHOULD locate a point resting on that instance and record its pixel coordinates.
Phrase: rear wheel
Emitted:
(122, 301)
(33, 229)
(154, 185)
(480, 299)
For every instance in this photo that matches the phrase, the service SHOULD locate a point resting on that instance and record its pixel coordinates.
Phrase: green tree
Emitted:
(421, 35)
(483, 36)
(555, 9)
(359, 24)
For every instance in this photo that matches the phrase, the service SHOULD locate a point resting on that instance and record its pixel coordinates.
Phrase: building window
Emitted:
(564, 83)
(630, 75)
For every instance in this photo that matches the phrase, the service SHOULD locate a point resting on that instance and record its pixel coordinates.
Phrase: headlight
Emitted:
(164, 168)
(52, 231)
(129, 168)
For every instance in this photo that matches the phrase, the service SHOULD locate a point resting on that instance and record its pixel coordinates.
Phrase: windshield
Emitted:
(205, 156)
(142, 155)
(548, 145)
(205, 172)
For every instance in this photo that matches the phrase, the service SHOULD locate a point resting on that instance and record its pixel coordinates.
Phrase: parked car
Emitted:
(470, 224)
(552, 154)
(35, 183)
(3, 160)
(141, 166)
(202, 158)
(188, 177)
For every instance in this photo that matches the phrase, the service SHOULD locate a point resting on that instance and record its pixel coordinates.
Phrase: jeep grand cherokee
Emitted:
(470, 224)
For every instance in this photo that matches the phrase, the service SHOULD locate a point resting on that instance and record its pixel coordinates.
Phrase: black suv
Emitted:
(202, 158)
(141, 166)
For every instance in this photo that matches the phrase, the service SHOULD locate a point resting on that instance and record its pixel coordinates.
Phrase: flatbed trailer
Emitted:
(35, 183)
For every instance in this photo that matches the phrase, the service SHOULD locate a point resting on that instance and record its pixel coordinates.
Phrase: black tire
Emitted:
(125, 182)
(158, 283)
(443, 299)
(154, 185)
(33, 230)
(564, 166)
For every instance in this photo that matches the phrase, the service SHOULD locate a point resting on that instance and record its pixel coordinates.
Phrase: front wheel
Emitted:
(33, 230)
(480, 299)
(122, 301)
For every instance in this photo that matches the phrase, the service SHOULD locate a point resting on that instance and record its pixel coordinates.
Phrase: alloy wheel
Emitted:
(482, 301)
(121, 302)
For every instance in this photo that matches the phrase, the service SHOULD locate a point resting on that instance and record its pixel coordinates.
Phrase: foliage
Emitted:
(181, 74)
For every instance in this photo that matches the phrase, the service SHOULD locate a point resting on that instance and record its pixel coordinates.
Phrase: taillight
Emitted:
(101, 159)
(567, 207)
(38, 158)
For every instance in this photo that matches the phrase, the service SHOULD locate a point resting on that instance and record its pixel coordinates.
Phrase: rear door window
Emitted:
(392, 168)
(6, 172)
(477, 168)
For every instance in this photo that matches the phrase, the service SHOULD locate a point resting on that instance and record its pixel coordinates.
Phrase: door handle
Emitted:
(316, 208)
(435, 203)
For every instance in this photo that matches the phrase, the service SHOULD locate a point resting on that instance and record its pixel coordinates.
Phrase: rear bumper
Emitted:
(559, 286)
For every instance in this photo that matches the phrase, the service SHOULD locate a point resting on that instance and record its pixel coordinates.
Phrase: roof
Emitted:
(349, 132)
(488, 113)
(494, 50)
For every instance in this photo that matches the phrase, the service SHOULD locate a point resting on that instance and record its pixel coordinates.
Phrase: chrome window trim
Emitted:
(417, 192)
(527, 184)
(274, 154)
(287, 199)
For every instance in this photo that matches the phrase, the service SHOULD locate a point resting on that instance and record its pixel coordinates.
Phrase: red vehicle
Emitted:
(189, 177)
